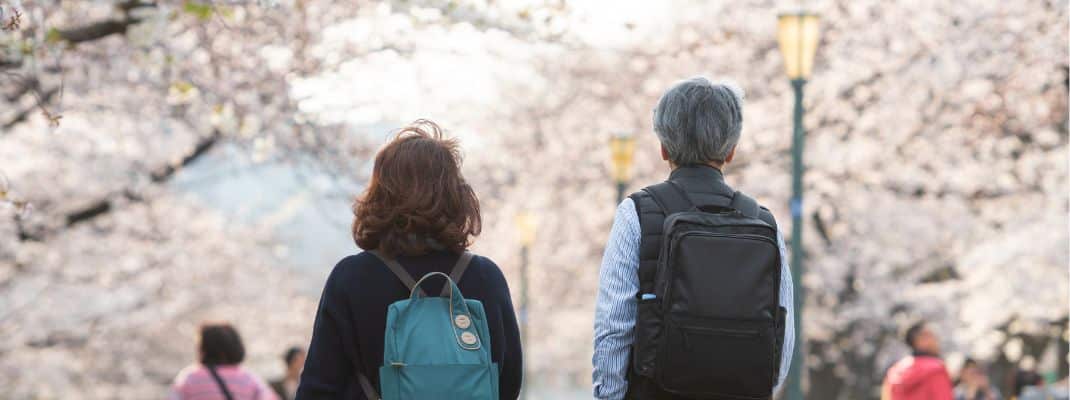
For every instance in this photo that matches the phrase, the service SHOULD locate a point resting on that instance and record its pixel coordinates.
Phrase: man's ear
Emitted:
(730, 156)
(664, 153)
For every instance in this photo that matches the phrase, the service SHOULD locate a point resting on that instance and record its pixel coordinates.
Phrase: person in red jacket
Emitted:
(922, 375)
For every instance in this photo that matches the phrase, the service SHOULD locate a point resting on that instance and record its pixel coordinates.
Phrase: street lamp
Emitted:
(622, 147)
(798, 36)
(525, 225)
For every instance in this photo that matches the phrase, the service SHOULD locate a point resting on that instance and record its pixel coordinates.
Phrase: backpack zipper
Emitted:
(739, 333)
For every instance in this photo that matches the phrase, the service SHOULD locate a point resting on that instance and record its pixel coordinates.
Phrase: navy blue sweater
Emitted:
(352, 320)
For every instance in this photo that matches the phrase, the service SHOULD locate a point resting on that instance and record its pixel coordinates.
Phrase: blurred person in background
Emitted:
(286, 387)
(417, 216)
(1060, 390)
(973, 383)
(219, 375)
(921, 375)
(1028, 384)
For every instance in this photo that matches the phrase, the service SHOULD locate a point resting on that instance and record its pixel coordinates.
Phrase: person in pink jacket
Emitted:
(922, 375)
(219, 375)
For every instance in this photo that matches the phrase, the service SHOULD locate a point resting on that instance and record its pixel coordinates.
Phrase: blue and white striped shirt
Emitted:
(616, 308)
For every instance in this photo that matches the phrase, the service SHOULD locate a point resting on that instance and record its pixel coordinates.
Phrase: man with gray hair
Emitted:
(695, 294)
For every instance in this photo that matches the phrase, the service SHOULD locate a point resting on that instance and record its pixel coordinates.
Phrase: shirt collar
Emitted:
(698, 171)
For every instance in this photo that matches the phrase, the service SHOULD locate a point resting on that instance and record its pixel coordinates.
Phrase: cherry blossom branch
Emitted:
(108, 202)
(39, 103)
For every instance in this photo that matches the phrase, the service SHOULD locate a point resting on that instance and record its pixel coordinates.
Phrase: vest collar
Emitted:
(700, 172)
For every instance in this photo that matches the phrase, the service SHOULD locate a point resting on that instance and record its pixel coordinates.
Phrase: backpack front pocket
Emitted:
(730, 358)
(718, 275)
(432, 382)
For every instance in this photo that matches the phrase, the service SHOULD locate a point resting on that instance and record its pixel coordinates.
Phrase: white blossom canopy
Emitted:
(936, 153)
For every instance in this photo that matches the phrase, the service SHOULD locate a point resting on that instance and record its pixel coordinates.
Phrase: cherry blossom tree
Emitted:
(936, 158)
(936, 184)
(105, 269)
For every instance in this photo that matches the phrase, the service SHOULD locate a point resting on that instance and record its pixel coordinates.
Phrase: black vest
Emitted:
(704, 185)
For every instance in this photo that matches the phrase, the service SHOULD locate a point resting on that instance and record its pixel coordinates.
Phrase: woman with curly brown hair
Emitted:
(417, 216)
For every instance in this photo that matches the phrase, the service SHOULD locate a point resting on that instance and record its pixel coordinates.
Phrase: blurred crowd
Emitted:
(923, 376)
(218, 373)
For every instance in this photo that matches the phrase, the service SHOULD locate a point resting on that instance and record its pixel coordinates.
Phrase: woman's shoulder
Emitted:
(355, 265)
(483, 263)
(358, 260)
(190, 371)
(242, 373)
(487, 270)
(350, 272)
(354, 268)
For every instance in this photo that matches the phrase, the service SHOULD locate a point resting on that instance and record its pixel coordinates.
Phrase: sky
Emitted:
(296, 205)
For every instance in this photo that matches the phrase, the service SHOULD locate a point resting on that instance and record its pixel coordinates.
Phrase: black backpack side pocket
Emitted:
(647, 332)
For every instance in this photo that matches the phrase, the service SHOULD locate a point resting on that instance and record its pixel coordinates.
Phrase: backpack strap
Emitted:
(219, 381)
(398, 270)
(744, 204)
(458, 271)
(650, 217)
(653, 204)
(367, 387)
(670, 197)
(750, 208)
(365, 384)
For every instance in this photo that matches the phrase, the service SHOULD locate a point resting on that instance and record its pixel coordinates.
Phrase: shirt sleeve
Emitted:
(328, 367)
(615, 309)
(505, 335)
(787, 300)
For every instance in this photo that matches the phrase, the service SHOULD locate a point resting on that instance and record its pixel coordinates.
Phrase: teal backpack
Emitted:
(435, 347)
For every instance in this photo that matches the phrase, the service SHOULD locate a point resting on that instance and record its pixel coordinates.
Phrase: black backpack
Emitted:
(713, 327)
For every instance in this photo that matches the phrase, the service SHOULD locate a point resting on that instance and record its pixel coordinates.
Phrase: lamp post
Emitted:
(798, 36)
(525, 224)
(622, 147)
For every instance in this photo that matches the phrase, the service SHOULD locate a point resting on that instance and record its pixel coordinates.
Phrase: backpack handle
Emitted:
(458, 307)
(416, 293)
